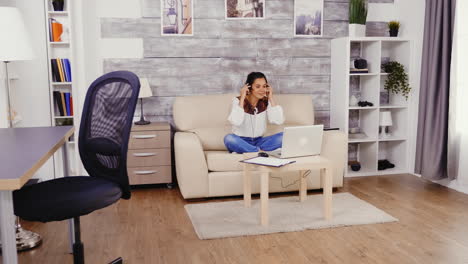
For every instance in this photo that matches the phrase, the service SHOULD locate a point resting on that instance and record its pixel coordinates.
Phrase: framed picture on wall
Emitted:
(308, 18)
(245, 9)
(177, 17)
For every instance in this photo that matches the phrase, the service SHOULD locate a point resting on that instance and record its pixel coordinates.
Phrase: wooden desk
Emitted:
(22, 152)
(302, 164)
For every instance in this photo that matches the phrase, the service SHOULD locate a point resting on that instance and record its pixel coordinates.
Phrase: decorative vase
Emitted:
(393, 32)
(357, 30)
(353, 101)
(58, 5)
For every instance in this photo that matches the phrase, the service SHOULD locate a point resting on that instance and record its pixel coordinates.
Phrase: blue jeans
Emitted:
(235, 143)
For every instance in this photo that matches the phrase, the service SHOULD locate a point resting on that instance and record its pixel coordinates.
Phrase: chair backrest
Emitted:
(105, 127)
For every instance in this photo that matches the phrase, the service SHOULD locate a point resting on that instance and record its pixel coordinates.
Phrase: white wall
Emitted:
(29, 86)
(97, 48)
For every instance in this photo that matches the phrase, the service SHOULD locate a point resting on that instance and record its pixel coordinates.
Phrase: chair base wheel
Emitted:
(117, 261)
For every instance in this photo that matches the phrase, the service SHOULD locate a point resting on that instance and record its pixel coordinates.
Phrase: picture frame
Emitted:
(244, 9)
(308, 18)
(177, 18)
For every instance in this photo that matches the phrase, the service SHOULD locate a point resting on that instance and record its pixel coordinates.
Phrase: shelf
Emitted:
(61, 83)
(59, 43)
(391, 171)
(63, 117)
(364, 39)
(362, 108)
(364, 74)
(359, 140)
(361, 172)
(392, 139)
(59, 13)
(393, 106)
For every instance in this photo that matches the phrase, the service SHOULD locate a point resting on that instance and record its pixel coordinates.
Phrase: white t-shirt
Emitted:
(248, 125)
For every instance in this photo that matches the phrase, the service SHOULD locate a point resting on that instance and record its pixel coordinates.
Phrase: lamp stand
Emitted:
(24, 239)
(142, 118)
(384, 133)
(7, 80)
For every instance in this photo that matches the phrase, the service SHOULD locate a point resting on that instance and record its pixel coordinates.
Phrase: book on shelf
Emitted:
(63, 103)
(61, 70)
(55, 30)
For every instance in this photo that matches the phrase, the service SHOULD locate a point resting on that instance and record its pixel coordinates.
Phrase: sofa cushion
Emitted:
(223, 161)
(212, 138)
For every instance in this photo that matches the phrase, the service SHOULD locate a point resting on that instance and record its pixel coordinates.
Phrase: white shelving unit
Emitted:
(63, 50)
(370, 87)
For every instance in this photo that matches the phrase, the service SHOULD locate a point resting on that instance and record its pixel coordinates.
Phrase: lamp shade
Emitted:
(14, 41)
(386, 118)
(145, 89)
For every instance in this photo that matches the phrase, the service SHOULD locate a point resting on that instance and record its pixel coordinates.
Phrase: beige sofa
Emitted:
(205, 168)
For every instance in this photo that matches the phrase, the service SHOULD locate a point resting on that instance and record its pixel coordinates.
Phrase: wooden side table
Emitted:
(149, 154)
(302, 164)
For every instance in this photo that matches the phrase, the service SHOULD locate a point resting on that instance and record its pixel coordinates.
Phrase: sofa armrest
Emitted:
(191, 167)
(335, 148)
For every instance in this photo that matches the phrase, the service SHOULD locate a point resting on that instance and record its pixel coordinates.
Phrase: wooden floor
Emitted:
(153, 227)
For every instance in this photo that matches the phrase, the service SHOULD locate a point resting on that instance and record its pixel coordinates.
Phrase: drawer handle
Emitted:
(143, 136)
(144, 172)
(145, 154)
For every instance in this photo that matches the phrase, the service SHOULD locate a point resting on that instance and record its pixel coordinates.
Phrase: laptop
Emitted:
(299, 141)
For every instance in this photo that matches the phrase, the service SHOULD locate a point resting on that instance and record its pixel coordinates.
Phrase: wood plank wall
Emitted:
(222, 52)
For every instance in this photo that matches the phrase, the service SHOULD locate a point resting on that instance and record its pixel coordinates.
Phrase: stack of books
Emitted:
(63, 104)
(61, 70)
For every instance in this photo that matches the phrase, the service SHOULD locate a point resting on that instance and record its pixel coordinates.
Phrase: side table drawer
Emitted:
(148, 157)
(149, 139)
(149, 175)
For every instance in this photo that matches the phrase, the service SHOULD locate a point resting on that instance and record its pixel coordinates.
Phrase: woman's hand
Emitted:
(270, 95)
(243, 93)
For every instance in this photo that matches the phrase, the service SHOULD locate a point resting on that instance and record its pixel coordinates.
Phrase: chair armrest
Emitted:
(191, 167)
(334, 148)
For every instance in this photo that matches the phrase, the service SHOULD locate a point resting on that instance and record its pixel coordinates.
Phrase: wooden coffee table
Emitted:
(302, 164)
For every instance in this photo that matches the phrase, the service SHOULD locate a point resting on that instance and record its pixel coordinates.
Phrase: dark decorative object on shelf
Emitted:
(393, 27)
(360, 64)
(58, 5)
(365, 103)
(355, 165)
(397, 80)
(385, 164)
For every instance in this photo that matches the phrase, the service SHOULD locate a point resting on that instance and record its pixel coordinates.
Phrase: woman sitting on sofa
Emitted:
(249, 115)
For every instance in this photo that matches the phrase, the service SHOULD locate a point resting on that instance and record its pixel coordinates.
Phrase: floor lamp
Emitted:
(15, 46)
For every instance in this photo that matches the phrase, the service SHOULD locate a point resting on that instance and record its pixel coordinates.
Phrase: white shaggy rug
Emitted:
(231, 219)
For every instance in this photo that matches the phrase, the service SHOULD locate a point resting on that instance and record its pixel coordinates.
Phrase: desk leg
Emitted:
(7, 228)
(66, 173)
(247, 186)
(303, 186)
(264, 199)
(327, 181)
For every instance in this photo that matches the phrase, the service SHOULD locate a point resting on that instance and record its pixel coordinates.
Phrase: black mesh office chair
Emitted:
(103, 142)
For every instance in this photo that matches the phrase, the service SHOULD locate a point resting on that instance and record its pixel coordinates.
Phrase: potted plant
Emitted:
(357, 18)
(397, 80)
(58, 5)
(393, 27)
